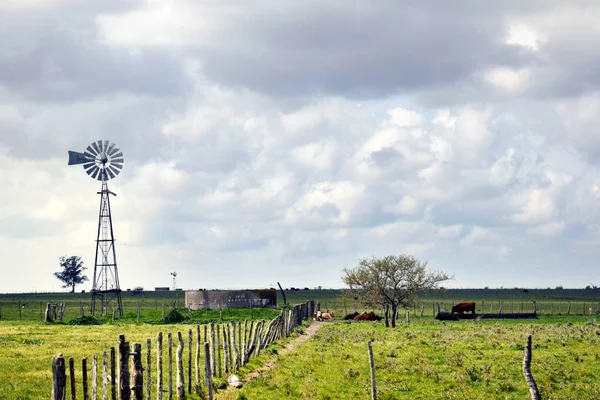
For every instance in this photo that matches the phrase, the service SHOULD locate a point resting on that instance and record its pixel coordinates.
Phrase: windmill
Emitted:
(103, 160)
(174, 274)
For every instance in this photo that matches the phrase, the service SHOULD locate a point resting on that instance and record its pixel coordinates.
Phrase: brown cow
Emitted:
(367, 316)
(462, 308)
(326, 316)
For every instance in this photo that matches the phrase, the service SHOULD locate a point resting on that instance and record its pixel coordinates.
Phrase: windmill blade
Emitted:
(111, 146)
(89, 155)
(113, 150)
(76, 157)
(95, 146)
(89, 165)
(116, 171)
(118, 165)
(118, 155)
(110, 173)
(93, 172)
(102, 175)
(117, 161)
(90, 149)
(106, 146)
(100, 146)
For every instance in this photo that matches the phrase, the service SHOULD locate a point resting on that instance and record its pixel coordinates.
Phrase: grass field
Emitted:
(427, 359)
(435, 360)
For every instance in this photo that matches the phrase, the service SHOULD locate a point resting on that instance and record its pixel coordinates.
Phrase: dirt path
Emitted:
(310, 332)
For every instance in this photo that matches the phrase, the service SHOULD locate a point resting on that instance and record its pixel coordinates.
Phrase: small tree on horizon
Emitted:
(72, 273)
(391, 282)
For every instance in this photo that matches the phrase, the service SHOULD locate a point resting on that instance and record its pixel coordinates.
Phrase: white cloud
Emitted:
(550, 229)
(450, 231)
(507, 79)
(524, 36)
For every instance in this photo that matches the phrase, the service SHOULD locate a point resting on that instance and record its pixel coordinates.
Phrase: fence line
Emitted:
(238, 345)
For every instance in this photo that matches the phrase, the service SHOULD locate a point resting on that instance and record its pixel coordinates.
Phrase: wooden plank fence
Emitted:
(123, 373)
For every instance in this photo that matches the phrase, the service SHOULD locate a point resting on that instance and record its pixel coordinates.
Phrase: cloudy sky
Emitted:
(283, 141)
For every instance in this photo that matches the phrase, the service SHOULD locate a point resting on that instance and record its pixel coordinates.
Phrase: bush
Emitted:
(174, 317)
(85, 320)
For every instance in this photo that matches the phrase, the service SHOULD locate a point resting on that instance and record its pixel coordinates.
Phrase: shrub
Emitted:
(85, 320)
(174, 317)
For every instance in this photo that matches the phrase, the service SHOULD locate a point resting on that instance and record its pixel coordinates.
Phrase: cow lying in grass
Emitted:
(323, 316)
(368, 316)
(351, 316)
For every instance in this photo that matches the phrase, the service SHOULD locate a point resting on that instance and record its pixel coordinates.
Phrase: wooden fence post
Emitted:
(72, 377)
(105, 376)
(180, 376)
(190, 341)
(372, 365)
(198, 385)
(243, 343)
(148, 369)
(59, 378)
(219, 366)
(84, 378)
(124, 389)
(211, 328)
(207, 372)
(94, 377)
(137, 378)
(159, 366)
(533, 390)
(170, 361)
(113, 374)
(234, 365)
(226, 350)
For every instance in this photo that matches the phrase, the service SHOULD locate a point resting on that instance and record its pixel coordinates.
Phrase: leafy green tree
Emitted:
(391, 282)
(72, 273)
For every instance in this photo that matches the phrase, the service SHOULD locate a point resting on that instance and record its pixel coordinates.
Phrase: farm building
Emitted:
(198, 299)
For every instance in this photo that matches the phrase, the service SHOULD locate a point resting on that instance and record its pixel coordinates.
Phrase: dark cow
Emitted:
(462, 308)
(351, 316)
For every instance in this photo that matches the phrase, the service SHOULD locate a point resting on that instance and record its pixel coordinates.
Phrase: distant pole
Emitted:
(282, 293)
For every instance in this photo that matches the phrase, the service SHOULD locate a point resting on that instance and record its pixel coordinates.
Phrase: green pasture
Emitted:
(428, 359)
(27, 348)
(425, 359)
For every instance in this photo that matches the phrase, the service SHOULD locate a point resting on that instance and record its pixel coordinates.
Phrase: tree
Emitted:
(72, 273)
(391, 282)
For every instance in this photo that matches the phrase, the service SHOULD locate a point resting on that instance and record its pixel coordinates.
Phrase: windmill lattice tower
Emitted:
(103, 160)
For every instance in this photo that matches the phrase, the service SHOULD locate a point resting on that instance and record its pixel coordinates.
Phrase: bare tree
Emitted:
(391, 282)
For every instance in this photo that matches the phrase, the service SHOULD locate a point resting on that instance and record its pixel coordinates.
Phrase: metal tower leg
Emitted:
(106, 277)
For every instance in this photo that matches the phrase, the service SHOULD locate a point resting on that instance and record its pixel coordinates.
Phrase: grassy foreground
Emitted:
(438, 360)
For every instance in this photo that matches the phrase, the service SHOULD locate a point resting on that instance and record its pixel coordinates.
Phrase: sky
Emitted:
(271, 142)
